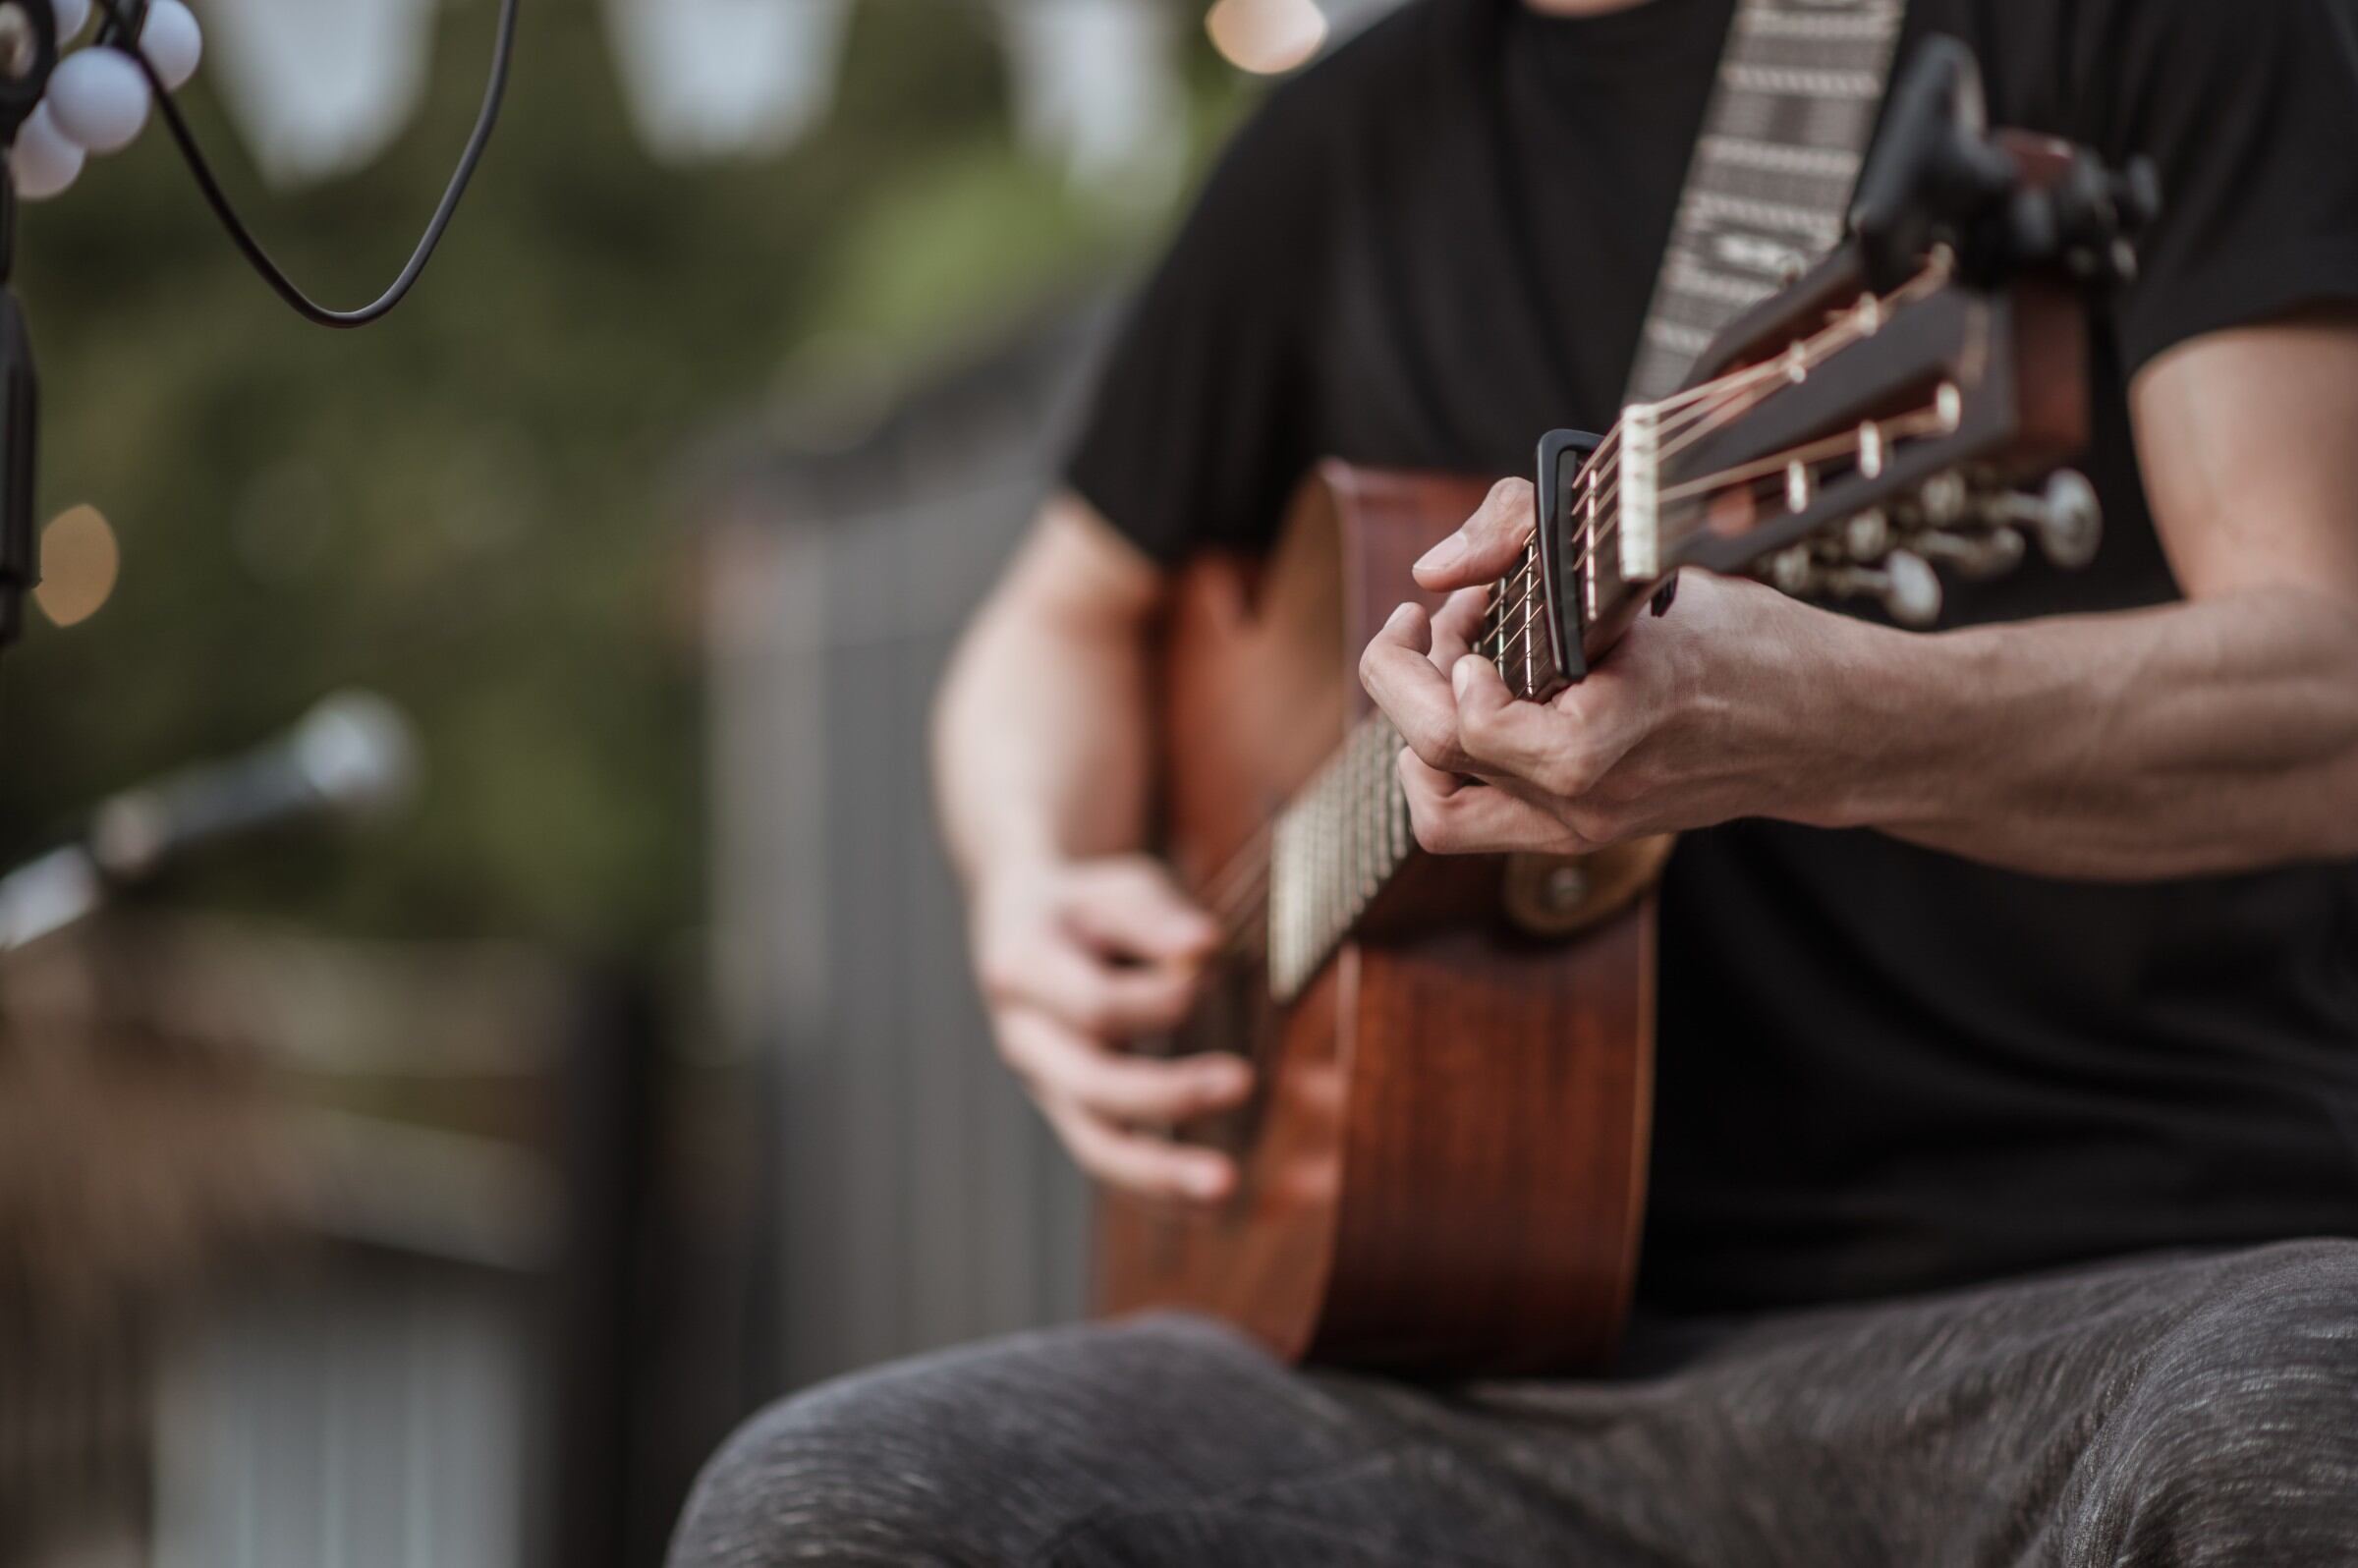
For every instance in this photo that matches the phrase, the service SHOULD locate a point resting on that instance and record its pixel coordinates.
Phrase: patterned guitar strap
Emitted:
(1800, 83)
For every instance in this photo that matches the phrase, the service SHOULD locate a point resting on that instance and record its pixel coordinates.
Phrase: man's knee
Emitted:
(2238, 1443)
(802, 1477)
(976, 1454)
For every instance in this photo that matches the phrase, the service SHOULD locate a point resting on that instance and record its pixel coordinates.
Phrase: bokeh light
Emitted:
(79, 562)
(1266, 37)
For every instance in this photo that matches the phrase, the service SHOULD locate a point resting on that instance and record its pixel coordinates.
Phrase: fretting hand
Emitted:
(1693, 719)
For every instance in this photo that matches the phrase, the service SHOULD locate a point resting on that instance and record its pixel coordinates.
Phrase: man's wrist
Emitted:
(1879, 726)
(1006, 863)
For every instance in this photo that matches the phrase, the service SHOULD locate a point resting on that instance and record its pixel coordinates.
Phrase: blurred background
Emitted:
(437, 1189)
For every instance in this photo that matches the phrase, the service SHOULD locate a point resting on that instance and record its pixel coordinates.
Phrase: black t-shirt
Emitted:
(1880, 1068)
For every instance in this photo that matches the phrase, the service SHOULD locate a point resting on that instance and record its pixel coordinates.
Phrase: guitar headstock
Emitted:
(1878, 418)
(1867, 437)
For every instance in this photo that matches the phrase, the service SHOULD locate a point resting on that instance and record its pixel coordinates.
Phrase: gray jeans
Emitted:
(2179, 1410)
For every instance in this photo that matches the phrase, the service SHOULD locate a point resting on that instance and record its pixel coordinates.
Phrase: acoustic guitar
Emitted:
(1443, 1167)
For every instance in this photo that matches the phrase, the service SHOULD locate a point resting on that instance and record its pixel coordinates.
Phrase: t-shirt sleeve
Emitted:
(1201, 426)
(2249, 109)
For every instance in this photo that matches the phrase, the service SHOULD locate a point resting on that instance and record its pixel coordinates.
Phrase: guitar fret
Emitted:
(1394, 800)
(1332, 853)
(1363, 816)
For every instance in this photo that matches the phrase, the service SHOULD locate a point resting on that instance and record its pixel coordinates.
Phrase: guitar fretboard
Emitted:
(1335, 847)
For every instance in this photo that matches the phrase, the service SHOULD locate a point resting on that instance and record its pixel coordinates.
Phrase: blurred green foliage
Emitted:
(472, 506)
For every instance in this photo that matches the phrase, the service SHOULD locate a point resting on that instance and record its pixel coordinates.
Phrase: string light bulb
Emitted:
(1266, 37)
(80, 563)
(98, 99)
(173, 42)
(44, 161)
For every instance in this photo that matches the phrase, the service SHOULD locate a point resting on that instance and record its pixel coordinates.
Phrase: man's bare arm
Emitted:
(1042, 757)
(1040, 743)
(2217, 735)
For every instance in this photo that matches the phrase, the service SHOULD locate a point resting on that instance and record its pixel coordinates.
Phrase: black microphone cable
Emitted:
(124, 20)
(495, 93)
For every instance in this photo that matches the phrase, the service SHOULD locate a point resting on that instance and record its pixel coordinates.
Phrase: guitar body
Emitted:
(1444, 1170)
(1444, 1167)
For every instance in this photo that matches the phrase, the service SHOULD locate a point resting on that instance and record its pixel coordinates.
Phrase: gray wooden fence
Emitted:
(918, 1200)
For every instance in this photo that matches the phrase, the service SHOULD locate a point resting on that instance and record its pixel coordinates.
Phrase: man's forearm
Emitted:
(2209, 737)
(1040, 746)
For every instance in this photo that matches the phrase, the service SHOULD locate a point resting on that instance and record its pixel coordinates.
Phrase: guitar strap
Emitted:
(1801, 84)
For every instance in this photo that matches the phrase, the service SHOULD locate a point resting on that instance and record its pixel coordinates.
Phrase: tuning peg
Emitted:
(1944, 498)
(1867, 536)
(2136, 195)
(1906, 583)
(1792, 571)
(1972, 555)
(2067, 516)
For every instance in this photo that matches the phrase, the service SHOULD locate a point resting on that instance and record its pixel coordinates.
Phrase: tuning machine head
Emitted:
(1891, 554)
(2089, 219)
(2065, 518)
(1904, 581)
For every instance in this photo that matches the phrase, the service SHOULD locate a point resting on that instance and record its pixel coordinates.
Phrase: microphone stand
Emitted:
(27, 54)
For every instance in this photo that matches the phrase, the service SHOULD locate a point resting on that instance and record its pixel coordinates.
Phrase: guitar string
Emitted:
(1696, 412)
(1246, 872)
(1771, 471)
(1761, 479)
(1701, 410)
(1366, 753)
(1723, 394)
(1715, 404)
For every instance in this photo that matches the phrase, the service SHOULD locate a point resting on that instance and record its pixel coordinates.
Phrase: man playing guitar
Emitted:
(2005, 1160)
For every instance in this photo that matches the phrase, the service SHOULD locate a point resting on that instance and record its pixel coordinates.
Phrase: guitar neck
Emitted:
(1604, 528)
(1347, 835)
(1333, 850)
(1836, 439)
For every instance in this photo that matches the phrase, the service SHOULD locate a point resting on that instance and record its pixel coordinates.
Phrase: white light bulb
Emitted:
(71, 14)
(43, 161)
(100, 99)
(172, 42)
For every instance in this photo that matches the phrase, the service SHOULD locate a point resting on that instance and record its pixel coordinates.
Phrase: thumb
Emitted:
(1132, 907)
(1488, 545)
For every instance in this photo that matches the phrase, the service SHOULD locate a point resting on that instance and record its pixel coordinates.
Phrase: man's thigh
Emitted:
(1162, 1440)
(2167, 1410)
(2163, 1411)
